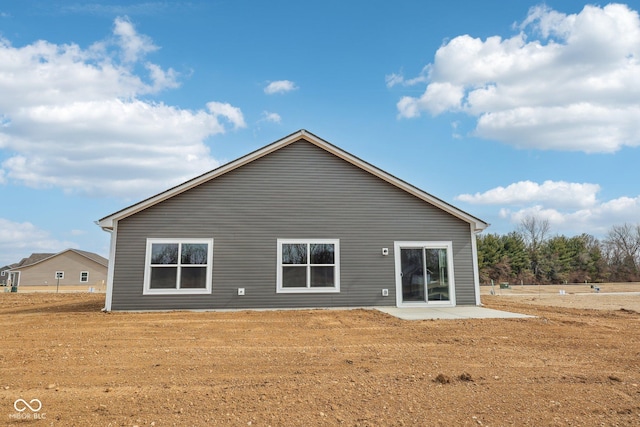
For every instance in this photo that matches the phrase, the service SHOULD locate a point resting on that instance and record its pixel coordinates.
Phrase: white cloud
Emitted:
(133, 45)
(556, 193)
(280, 86)
(113, 147)
(394, 79)
(229, 112)
(438, 98)
(20, 239)
(162, 78)
(575, 87)
(594, 220)
(75, 118)
(571, 208)
(271, 117)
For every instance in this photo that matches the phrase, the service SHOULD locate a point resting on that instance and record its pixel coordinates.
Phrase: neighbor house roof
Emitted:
(92, 256)
(107, 223)
(40, 257)
(31, 259)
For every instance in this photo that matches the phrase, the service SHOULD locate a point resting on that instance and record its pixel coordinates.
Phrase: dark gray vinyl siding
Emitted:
(299, 191)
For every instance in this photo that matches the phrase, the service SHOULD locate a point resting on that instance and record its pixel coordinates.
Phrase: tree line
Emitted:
(531, 255)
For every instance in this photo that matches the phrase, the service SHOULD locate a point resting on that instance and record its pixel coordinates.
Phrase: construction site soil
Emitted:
(63, 362)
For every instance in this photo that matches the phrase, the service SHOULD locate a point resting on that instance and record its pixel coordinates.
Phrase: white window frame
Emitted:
(187, 291)
(87, 278)
(59, 275)
(336, 265)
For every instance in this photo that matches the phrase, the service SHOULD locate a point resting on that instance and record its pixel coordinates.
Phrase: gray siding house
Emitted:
(298, 223)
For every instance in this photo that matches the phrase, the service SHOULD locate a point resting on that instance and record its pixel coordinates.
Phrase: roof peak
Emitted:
(107, 223)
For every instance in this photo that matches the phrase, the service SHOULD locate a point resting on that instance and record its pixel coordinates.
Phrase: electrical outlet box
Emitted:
(385, 251)
(385, 292)
(240, 291)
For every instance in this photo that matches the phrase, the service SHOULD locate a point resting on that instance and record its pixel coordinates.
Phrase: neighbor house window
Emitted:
(308, 265)
(84, 276)
(178, 266)
(59, 274)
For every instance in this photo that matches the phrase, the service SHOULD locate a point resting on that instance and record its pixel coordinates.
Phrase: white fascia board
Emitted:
(475, 264)
(111, 268)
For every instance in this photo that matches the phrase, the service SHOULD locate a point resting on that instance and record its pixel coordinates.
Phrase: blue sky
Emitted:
(504, 109)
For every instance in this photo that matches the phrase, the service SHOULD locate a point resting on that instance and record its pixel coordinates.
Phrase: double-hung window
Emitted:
(308, 265)
(84, 276)
(178, 266)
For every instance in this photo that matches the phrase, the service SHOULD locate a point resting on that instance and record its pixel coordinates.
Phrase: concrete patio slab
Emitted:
(450, 313)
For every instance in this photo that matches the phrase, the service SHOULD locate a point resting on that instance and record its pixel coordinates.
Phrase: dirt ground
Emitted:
(608, 296)
(577, 363)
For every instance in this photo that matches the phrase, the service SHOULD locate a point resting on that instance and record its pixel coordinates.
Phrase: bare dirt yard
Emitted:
(577, 363)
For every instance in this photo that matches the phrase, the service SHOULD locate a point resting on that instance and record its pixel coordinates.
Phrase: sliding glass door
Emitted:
(425, 273)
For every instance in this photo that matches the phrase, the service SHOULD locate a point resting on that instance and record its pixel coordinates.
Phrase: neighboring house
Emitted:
(12, 277)
(298, 223)
(4, 274)
(69, 267)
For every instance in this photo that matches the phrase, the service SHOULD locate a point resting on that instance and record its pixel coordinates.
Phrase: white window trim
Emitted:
(189, 291)
(309, 290)
(448, 245)
(84, 281)
(14, 276)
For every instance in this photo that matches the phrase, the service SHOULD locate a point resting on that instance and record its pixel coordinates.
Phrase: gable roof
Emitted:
(38, 258)
(31, 259)
(107, 223)
(92, 256)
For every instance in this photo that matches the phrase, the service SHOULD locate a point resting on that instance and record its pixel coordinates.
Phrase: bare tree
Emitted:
(535, 232)
(622, 246)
